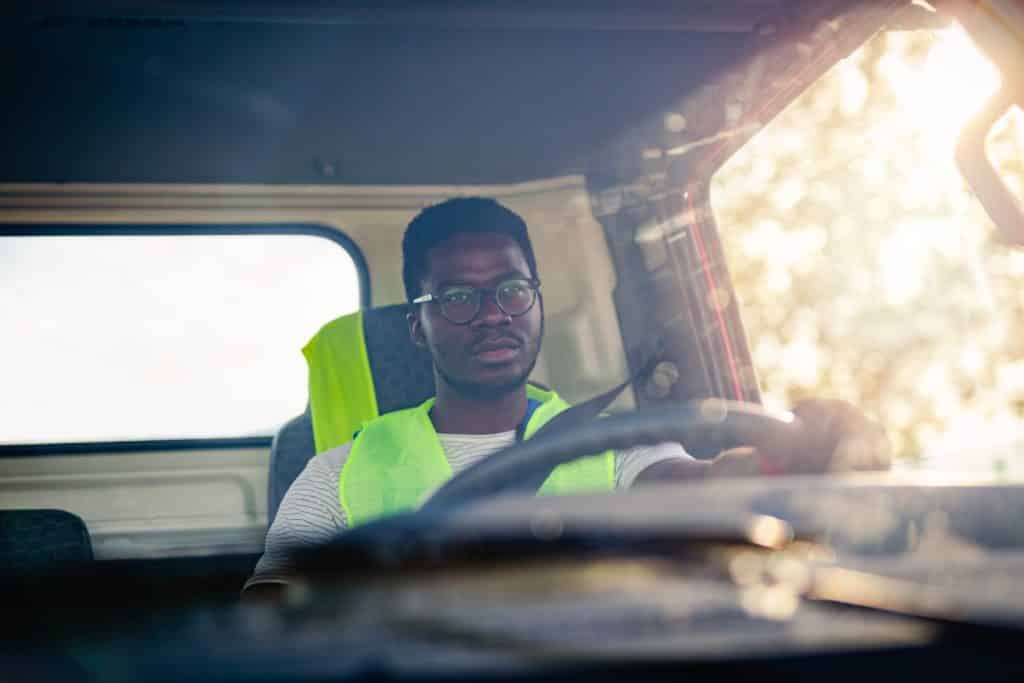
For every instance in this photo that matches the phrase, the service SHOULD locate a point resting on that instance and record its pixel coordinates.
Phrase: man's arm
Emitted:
(636, 465)
(310, 514)
(841, 438)
(264, 592)
(738, 462)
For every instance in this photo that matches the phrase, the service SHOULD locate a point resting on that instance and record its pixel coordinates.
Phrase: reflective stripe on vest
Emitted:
(397, 459)
(341, 394)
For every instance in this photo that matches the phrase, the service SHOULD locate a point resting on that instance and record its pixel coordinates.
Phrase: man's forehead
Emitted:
(476, 253)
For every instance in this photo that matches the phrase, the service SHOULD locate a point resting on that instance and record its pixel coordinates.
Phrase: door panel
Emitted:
(150, 504)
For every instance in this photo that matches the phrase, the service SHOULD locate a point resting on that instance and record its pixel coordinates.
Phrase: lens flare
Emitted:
(940, 93)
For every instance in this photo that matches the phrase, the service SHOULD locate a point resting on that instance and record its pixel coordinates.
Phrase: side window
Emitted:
(163, 336)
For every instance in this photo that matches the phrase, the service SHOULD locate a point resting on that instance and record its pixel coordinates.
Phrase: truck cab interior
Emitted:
(189, 191)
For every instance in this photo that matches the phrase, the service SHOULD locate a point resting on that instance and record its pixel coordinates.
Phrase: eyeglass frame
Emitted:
(434, 297)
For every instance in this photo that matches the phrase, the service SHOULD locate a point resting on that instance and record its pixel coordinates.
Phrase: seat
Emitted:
(402, 376)
(36, 541)
(290, 450)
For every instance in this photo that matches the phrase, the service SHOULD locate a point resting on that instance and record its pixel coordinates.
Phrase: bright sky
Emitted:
(161, 337)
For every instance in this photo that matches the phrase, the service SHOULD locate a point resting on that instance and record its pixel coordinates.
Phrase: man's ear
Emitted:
(416, 329)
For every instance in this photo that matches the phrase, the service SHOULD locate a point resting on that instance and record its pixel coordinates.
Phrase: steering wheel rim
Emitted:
(705, 428)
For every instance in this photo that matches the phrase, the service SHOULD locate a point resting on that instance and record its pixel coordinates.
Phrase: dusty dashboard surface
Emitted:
(783, 578)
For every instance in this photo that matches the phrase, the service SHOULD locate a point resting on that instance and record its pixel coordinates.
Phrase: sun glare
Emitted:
(942, 92)
(865, 262)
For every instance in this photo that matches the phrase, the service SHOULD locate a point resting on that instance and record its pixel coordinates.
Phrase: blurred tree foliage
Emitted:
(866, 268)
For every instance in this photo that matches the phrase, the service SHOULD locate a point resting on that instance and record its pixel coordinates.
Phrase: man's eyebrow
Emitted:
(509, 275)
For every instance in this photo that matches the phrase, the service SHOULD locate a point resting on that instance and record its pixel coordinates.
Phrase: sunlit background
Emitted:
(162, 337)
(867, 269)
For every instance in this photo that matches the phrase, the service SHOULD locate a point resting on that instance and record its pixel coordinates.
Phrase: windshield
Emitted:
(624, 335)
(866, 266)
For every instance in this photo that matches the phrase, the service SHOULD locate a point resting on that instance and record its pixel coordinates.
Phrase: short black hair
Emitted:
(437, 223)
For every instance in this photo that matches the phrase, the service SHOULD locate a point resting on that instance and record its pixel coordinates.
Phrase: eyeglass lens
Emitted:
(462, 304)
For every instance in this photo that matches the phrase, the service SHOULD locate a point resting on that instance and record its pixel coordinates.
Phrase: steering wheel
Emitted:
(414, 539)
(704, 427)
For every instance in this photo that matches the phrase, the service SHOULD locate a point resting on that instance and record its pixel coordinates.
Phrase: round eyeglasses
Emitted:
(460, 304)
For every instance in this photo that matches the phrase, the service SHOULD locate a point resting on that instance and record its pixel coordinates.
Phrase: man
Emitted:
(470, 273)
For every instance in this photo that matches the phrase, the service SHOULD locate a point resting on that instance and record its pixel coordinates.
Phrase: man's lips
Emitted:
(493, 350)
(494, 344)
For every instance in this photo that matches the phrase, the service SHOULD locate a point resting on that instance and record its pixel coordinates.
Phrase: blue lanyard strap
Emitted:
(531, 405)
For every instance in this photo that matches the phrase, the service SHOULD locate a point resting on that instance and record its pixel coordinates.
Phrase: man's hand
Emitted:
(838, 438)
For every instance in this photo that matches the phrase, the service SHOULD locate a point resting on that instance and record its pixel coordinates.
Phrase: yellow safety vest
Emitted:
(397, 459)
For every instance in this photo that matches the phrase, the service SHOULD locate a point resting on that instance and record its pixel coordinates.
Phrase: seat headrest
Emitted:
(360, 366)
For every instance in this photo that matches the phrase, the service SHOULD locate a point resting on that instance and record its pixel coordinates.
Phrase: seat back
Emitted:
(403, 373)
(289, 452)
(40, 540)
(402, 376)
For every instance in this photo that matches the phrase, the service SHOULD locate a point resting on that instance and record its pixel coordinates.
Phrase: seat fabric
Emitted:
(42, 540)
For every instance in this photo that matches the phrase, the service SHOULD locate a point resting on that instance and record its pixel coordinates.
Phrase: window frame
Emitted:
(329, 233)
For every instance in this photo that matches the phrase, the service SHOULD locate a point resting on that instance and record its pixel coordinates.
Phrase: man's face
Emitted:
(494, 353)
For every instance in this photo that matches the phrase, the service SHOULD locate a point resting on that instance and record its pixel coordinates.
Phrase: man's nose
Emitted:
(490, 313)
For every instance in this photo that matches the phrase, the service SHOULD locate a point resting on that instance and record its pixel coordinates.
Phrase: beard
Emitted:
(484, 391)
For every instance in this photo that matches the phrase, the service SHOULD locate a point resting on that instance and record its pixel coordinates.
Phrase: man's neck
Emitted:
(454, 413)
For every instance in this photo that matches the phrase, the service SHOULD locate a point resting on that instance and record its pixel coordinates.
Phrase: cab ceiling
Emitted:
(177, 98)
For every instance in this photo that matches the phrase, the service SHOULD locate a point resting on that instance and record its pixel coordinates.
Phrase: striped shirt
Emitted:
(311, 513)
